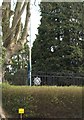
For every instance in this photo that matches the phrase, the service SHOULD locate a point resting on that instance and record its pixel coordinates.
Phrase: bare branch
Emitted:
(18, 31)
(17, 10)
(7, 40)
(15, 39)
(16, 47)
(5, 18)
(25, 30)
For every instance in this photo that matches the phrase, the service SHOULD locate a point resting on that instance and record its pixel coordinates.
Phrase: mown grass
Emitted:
(43, 101)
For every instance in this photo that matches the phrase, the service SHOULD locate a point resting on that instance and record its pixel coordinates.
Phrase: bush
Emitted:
(19, 78)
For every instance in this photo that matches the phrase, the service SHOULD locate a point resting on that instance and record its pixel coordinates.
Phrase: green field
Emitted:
(43, 101)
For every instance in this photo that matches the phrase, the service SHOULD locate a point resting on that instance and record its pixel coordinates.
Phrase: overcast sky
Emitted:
(35, 19)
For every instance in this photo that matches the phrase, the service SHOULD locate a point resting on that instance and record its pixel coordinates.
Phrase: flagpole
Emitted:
(30, 45)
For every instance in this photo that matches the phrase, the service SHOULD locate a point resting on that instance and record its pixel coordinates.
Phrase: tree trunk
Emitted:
(15, 36)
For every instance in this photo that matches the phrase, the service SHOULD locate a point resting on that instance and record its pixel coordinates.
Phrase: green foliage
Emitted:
(20, 59)
(16, 71)
(59, 44)
(43, 102)
(18, 78)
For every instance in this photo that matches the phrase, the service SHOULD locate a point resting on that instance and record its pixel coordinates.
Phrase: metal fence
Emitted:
(59, 79)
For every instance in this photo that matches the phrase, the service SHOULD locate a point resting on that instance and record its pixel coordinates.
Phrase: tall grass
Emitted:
(43, 101)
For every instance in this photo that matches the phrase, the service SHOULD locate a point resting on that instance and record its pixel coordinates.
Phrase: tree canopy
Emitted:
(59, 43)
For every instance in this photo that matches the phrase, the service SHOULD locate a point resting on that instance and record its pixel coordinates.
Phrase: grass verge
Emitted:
(43, 101)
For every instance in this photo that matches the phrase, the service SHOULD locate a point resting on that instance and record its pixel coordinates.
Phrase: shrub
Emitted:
(19, 78)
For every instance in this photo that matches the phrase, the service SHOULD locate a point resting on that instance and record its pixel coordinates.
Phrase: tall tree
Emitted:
(13, 36)
(14, 32)
(58, 46)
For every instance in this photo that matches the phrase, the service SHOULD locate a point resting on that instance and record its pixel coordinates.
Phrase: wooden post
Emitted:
(21, 116)
(21, 111)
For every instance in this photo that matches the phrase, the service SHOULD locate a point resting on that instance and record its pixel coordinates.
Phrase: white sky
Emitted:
(35, 18)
